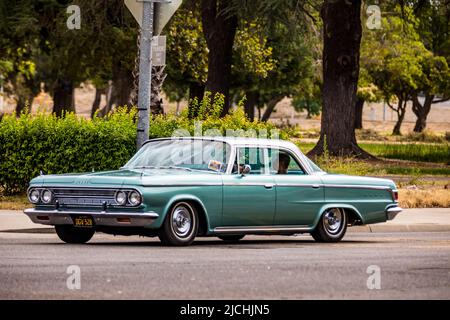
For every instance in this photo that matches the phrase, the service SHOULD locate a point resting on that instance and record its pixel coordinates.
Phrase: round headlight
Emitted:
(47, 196)
(134, 198)
(121, 198)
(33, 195)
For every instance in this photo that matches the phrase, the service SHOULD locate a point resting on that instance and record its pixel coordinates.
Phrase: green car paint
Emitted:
(260, 203)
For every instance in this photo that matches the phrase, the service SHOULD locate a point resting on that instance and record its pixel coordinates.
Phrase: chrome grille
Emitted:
(84, 196)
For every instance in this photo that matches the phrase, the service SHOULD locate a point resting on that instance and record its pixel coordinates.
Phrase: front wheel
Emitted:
(331, 227)
(70, 234)
(180, 226)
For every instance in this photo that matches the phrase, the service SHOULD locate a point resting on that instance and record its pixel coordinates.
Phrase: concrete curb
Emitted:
(374, 228)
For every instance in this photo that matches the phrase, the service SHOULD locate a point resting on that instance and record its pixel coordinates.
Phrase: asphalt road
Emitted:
(411, 265)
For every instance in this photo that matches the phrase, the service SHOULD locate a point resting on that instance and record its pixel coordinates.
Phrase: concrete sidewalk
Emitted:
(409, 220)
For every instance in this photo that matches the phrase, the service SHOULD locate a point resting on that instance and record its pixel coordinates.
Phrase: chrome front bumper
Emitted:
(101, 218)
(392, 212)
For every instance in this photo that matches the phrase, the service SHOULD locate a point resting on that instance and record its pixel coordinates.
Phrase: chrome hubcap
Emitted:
(181, 221)
(333, 220)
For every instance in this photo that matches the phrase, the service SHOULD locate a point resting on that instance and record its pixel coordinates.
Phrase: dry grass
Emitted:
(18, 202)
(430, 198)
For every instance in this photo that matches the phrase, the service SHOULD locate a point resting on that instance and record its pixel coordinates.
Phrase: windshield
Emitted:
(182, 154)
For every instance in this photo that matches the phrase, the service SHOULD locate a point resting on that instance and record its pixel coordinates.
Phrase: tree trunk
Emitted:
(359, 113)
(219, 28)
(156, 102)
(422, 111)
(21, 104)
(97, 100)
(308, 109)
(196, 91)
(177, 111)
(342, 39)
(250, 103)
(63, 97)
(270, 107)
(401, 110)
(121, 88)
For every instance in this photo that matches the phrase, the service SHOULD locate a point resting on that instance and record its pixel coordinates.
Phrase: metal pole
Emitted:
(145, 73)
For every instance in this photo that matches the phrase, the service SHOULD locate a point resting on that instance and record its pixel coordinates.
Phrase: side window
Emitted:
(282, 162)
(254, 157)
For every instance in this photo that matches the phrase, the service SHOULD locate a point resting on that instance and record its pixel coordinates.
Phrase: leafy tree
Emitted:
(187, 55)
(282, 72)
(17, 49)
(434, 30)
(399, 64)
(367, 92)
(308, 97)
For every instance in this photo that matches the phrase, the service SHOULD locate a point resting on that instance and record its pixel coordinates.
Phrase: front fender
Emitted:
(185, 197)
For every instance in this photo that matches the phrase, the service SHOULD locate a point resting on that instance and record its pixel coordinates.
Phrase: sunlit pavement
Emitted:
(364, 265)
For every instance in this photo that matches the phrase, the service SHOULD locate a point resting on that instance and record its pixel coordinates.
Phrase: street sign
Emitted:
(152, 16)
(164, 10)
(163, 13)
(159, 51)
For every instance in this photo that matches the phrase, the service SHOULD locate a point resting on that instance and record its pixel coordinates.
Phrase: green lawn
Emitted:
(437, 153)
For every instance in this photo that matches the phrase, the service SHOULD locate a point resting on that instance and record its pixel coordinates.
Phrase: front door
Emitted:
(249, 198)
(299, 195)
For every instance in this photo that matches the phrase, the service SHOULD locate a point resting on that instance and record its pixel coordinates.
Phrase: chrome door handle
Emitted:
(269, 185)
(316, 186)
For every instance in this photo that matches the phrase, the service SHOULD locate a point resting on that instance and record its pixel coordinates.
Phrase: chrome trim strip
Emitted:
(250, 229)
(102, 218)
(87, 189)
(315, 185)
(392, 212)
(245, 184)
(356, 186)
(178, 184)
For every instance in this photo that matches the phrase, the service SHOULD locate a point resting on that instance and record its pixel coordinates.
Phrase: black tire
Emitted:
(180, 226)
(70, 234)
(232, 238)
(331, 227)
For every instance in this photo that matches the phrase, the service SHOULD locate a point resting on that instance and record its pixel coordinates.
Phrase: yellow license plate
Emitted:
(83, 221)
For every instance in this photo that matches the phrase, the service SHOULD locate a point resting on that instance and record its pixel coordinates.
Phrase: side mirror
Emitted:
(246, 169)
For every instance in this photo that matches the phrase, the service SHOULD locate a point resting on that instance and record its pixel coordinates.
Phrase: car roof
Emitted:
(239, 141)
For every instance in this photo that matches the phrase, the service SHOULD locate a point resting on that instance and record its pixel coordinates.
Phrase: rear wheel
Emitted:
(180, 226)
(70, 234)
(331, 227)
(232, 238)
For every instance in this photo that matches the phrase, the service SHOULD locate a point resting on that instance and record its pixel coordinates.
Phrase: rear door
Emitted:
(299, 194)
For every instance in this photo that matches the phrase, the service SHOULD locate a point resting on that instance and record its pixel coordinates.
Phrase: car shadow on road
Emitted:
(243, 244)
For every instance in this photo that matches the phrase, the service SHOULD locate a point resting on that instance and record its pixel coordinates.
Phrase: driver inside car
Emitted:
(281, 165)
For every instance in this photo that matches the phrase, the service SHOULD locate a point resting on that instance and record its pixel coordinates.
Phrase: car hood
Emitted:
(342, 179)
(128, 177)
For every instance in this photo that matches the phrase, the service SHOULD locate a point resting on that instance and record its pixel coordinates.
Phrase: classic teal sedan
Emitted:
(181, 188)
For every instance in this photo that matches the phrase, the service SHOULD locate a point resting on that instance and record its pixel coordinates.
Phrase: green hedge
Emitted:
(31, 143)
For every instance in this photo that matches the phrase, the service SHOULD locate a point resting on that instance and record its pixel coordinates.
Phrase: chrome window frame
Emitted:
(293, 155)
(291, 152)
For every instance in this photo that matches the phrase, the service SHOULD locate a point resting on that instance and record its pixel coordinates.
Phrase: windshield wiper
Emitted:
(144, 167)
